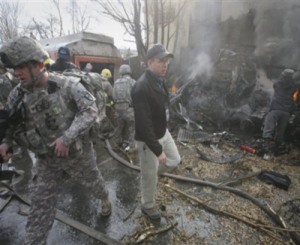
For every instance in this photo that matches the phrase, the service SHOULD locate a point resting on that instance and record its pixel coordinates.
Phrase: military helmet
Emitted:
(106, 73)
(22, 50)
(125, 69)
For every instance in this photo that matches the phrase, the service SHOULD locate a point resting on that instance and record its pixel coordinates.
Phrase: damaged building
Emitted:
(88, 47)
(230, 56)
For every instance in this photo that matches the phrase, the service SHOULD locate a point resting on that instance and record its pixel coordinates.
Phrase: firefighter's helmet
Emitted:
(125, 69)
(22, 50)
(106, 73)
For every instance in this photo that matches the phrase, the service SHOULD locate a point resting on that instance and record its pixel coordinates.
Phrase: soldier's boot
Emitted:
(105, 207)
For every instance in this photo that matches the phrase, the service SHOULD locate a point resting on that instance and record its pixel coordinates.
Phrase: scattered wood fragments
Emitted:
(258, 225)
(151, 231)
(199, 176)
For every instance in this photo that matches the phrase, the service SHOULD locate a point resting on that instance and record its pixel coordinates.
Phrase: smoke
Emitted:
(277, 32)
(231, 86)
(204, 41)
(202, 67)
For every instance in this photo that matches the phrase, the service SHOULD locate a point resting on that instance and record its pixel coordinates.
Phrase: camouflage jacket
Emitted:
(64, 110)
(5, 88)
(122, 90)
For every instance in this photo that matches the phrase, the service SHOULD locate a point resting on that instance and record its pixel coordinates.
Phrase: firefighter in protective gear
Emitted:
(58, 114)
(108, 89)
(106, 73)
(124, 135)
(281, 108)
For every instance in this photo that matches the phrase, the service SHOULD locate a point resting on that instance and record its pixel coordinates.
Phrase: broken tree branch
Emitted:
(234, 216)
(152, 232)
(262, 205)
(239, 179)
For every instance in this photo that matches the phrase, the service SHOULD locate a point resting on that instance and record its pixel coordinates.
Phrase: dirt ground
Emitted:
(223, 217)
(226, 218)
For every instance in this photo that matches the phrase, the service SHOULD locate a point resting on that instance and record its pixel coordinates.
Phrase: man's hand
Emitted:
(60, 149)
(162, 158)
(3, 152)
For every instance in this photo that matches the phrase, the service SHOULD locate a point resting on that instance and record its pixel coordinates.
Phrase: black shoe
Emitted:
(152, 213)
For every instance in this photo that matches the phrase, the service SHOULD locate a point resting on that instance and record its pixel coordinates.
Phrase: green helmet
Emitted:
(125, 69)
(22, 50)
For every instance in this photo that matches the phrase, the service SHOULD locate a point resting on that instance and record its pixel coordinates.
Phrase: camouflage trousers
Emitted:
(125, 126)
(81, 168)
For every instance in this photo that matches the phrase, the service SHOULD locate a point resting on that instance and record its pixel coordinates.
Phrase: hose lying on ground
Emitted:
(264, 206)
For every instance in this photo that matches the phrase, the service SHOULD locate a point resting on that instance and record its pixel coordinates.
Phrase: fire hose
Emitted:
(264, 206)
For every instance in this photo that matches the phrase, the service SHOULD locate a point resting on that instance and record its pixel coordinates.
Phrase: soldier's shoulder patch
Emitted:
(87, 95)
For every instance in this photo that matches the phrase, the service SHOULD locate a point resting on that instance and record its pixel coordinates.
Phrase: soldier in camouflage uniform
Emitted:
(56, 116)
(7, 82)
(8, 74)
(5, 86)
(124, 135)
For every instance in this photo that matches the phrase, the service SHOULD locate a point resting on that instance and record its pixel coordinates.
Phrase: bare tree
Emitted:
(57, 6)
(153, 21)
(164, 15)
(9, 23)
(129, 15)
(80, 18)
(53, 25)
(48, 28)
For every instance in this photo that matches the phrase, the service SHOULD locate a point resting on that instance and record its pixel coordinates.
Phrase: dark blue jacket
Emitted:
(61, 65)
(150, 102)
(282, 99)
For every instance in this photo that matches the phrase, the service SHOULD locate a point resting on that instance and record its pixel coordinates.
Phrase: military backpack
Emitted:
(93, 83)
(122, 90)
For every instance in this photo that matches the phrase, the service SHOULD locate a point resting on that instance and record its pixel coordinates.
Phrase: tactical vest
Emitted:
(122, 90)
(48, 115)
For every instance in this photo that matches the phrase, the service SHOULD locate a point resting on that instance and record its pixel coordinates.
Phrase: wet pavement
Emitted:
(77, 203)
(126, 218)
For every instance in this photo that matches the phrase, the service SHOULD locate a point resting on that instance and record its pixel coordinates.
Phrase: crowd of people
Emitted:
(56, 113)
(55, 116)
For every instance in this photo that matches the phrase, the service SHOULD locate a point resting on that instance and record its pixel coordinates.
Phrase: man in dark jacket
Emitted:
(156, 148)
(63, 61)
(281, 108)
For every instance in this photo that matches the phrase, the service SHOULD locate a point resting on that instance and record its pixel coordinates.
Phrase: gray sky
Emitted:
(39, 8)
